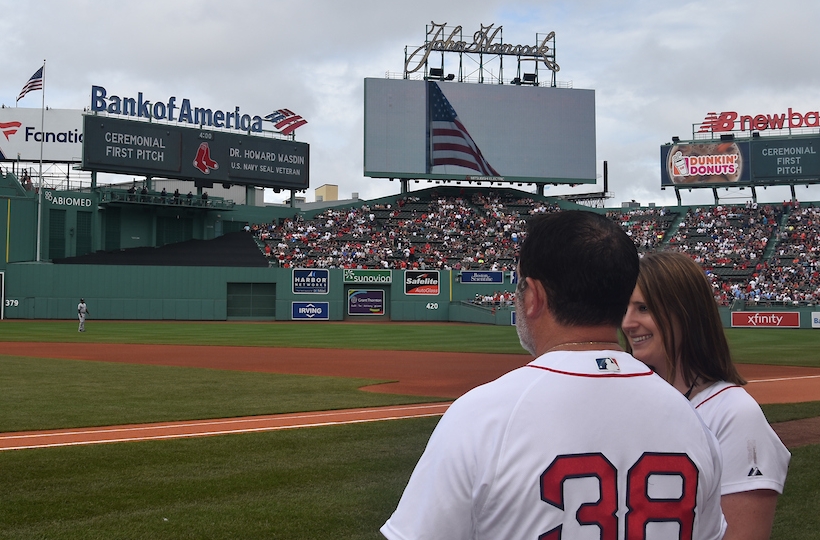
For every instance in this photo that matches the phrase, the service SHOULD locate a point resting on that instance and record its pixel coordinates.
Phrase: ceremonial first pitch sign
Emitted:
(205, 156)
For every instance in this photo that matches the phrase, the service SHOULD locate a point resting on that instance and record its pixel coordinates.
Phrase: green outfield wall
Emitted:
(74, 223)
(51, 291)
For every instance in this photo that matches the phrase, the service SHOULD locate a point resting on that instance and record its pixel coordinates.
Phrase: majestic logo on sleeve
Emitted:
(9, 128)
(203, 160)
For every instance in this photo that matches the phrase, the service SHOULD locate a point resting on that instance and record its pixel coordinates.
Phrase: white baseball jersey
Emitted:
(585, 445)
(753, 456)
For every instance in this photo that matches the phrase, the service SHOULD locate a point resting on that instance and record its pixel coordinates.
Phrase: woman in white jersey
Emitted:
(673, 326)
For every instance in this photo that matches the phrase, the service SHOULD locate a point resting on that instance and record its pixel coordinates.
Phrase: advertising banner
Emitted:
(307, 281)
(21, 133)
(365, 302)
(367, 276)
(421, 283)
(786, 159)
(482, 277)
(815, 319)
(67, 198)
(205, 156)
(765, 319)
(312, 311)
(709, 163)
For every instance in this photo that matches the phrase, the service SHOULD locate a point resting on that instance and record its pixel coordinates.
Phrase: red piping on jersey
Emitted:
(593, 375)
(717, 394)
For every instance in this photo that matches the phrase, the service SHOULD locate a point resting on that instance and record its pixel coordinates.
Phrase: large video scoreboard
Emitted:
(452, 130)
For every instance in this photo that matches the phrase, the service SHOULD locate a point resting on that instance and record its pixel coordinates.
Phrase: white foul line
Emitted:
(223, 432)
(786, 379)
(218, 422)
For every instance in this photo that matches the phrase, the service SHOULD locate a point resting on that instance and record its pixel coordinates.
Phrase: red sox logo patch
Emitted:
(203, 160)
(9, 128)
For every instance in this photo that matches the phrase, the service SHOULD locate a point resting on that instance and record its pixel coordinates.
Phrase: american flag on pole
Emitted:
(286, 121)
(34, 83)
(450, 142)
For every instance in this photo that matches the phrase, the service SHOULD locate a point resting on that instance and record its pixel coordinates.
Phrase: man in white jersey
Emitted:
(82, 312)
(583, 442)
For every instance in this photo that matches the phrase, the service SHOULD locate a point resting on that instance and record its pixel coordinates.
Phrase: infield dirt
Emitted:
(446, 375)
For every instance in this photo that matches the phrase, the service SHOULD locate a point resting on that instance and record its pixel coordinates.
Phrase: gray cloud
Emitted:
(657, 68)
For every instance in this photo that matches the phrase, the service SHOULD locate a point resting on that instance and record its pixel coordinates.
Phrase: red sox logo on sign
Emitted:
(203, 160)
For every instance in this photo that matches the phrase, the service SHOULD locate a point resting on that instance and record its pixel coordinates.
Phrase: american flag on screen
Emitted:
(34, 83)
(450, 142)
(286, 121)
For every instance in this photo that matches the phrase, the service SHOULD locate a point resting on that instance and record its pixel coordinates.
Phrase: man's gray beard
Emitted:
(524, 335)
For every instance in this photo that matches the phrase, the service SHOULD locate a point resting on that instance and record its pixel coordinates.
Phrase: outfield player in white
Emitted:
(583, 442)
(82, 313)
(673, 325)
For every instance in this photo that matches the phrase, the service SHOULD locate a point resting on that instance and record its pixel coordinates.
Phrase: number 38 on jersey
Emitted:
(661, 491)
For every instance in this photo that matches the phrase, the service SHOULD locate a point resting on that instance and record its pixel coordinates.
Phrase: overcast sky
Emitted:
(656, 67)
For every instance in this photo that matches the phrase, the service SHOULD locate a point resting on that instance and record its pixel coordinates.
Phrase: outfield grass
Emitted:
(782, 412)
(750, 346)
(774, 346)
(305, 484)
(446, 337)
(330, 482)
(38, 394)
(337, 482)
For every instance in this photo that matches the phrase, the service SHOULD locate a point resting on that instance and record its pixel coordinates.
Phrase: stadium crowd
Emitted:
(752, 253)
(456, 233)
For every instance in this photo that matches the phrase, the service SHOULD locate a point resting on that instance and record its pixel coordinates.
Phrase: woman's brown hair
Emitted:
(679, 297)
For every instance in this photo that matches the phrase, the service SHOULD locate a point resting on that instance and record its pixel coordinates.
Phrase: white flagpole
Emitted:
(42, 138)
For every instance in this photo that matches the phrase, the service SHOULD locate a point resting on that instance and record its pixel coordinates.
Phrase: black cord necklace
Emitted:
(689, 392)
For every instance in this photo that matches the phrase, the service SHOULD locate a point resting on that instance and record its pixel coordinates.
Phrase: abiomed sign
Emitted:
(55, 199)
